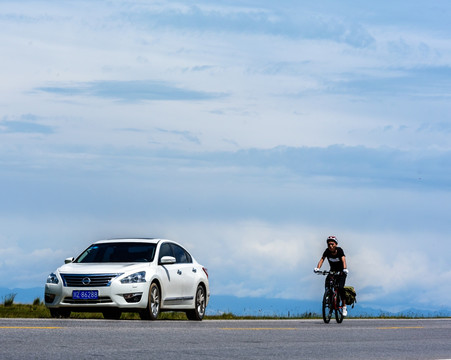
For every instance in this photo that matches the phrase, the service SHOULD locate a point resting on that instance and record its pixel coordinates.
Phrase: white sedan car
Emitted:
(129, 275)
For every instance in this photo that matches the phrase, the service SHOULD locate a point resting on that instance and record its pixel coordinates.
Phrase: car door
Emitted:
(188, 272)
(170, 274)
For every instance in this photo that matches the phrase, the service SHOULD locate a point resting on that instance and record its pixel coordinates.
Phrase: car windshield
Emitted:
(117, 252)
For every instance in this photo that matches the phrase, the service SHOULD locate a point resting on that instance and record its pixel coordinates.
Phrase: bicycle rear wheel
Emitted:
(338, 309)
(327, 306)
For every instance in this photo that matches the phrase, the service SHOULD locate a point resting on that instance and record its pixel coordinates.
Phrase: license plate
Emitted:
(85, 294)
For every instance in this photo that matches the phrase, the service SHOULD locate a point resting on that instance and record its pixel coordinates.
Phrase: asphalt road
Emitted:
(224, 339)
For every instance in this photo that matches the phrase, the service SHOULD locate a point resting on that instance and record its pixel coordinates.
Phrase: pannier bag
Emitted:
(351, 295)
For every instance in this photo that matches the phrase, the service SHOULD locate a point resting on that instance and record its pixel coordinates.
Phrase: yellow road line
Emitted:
(30, 327)
(256, 329)
(400, 327)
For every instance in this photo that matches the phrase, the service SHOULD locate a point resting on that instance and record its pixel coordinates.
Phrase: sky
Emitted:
(248, 131)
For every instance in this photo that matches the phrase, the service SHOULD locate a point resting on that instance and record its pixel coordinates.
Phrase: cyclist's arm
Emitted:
(320, 263)
(343, 259)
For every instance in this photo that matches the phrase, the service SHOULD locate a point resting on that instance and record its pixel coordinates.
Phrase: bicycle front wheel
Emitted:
(327, 306)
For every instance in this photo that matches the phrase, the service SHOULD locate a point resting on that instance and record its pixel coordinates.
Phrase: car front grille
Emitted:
(97, 280)
(100, 300)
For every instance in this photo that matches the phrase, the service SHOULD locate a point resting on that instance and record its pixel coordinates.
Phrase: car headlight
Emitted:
(134, 278)
(52, 279)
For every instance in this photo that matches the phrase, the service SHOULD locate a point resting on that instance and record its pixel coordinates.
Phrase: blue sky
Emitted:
(248, 131)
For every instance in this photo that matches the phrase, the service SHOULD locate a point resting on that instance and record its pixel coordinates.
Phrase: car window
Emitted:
(118, 252)
(181, 255)
(165, 250)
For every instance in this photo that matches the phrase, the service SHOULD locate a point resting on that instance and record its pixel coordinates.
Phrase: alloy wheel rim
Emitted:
(200, 302)
(155, 301)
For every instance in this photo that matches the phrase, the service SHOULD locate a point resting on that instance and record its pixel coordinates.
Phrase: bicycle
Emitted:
(331, 298)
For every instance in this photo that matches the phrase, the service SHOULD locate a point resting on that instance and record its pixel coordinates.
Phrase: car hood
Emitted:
(97, 268)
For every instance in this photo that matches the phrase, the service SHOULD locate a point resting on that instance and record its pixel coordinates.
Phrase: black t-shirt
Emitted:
(335, 260)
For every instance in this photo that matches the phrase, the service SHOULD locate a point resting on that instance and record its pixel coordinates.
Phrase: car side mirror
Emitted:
(167, 260)
(69, 260)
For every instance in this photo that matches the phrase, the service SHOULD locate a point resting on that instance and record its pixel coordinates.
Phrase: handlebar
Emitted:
(326, 272)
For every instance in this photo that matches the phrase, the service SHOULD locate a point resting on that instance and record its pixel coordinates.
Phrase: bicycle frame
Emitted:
(331, 298)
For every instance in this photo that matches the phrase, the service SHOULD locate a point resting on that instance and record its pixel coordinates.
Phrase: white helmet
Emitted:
(332, 238)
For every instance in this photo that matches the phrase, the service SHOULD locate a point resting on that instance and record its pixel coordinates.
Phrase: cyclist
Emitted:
(337, 261)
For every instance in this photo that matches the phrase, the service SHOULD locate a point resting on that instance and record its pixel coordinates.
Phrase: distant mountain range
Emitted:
(291, 308)
(250, 306)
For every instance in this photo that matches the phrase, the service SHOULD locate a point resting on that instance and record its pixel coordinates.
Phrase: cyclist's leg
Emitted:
(339, 312)
(341, 290)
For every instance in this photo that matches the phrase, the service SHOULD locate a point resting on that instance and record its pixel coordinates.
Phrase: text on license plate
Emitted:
(85, 294)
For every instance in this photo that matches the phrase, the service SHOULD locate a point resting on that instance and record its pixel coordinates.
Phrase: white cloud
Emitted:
(22, 269)
(332, 103)
(255, 258)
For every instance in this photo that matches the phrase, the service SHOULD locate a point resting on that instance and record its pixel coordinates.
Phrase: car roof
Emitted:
(130, 240)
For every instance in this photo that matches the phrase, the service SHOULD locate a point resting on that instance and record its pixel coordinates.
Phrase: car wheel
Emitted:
(153, 304)
(112, 314)
(59, 313)
(200, 302)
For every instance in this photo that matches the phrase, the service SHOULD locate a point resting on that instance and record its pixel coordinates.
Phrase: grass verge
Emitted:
(39, 310)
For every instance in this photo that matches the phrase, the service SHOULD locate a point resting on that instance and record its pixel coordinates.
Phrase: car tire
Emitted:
(200, 301)
(153, 304)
